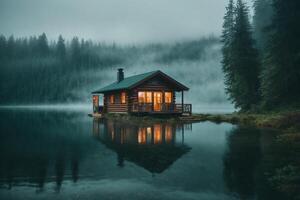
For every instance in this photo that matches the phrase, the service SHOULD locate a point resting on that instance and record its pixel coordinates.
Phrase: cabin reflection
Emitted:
(153, 146)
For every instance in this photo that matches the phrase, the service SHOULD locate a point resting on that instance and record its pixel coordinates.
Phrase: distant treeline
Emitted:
(35, 70)
(261, 61)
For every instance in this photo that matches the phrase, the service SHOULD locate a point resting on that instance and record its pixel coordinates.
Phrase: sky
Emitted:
(119, 21)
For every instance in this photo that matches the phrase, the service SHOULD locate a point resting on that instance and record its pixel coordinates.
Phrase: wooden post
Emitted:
(163, 101)
(93, 104)
(182, 101)
(104, 104)
(152, 96)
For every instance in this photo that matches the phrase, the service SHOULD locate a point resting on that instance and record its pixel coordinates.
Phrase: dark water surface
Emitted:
(68, 155)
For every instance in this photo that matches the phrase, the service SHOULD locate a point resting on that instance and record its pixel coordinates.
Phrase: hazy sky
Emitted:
(121, 21)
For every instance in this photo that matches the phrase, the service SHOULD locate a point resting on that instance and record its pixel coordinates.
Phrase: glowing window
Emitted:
(145, 97)
(96, 100)
(123, 97)
(111, 99)
(141, 96)
(148, 97)
(168, 97)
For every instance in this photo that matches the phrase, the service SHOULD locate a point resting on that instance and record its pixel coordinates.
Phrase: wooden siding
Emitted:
(155, 84)
(117, 106)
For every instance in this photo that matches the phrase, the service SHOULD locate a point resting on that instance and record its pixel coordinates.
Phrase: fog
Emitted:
(203, 76)
(127, 24)
(120, 21)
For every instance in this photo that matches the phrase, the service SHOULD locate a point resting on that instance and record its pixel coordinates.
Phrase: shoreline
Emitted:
(287, 122)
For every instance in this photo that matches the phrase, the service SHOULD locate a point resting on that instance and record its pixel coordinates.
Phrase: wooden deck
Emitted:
(96, 115)
(163, 108)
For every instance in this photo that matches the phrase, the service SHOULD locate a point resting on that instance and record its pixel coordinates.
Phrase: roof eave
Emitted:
(180, 85)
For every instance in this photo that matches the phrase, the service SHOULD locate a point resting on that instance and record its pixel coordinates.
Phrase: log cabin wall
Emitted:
(155, 84)
(117, 106)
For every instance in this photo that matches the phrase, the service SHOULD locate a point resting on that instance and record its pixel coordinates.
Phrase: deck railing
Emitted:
(161, 108)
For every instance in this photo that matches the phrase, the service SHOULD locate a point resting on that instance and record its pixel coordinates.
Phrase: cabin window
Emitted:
(112, 99)
(123, 97)
(148, 97)
(168, 97)
(141, 97)
(145, 97)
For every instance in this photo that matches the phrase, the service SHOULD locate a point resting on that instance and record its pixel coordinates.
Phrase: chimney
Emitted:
(120, 75)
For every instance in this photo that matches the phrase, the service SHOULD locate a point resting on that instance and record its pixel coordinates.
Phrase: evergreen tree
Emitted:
(32, 44)
(281, 74)
(227, 37)
(242, 80)
(2, 46)
(11, 46)
(261, 22)
(75, 50)
(42, 45)
(61, 48)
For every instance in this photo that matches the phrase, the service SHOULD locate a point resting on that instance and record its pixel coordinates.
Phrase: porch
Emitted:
(162, 108)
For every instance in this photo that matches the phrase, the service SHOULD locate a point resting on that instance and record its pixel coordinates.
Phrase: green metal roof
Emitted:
(126, 83)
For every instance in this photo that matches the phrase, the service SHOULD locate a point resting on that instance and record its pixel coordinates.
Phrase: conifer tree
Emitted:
(261, 22)
(281, 74)
(227, 37)
(11, 46)
(2, 46)
(61, 48)
(242, 69)
(42, 45)
(75, 50)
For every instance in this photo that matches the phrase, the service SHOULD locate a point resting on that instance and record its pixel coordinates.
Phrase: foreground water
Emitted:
(68, 155)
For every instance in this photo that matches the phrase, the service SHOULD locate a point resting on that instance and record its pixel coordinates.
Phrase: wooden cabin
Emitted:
(149, 93)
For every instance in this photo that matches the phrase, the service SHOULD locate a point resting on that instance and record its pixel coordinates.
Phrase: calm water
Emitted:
(68, 155)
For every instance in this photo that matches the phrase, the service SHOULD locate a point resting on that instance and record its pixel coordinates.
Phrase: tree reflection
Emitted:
(33, 153)
(241, 161)
(248, 161)
(59, 171)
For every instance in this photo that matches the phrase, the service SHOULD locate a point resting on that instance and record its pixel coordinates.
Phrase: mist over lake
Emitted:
(40, 75)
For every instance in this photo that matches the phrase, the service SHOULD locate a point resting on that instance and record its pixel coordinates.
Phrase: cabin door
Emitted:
(157, 101)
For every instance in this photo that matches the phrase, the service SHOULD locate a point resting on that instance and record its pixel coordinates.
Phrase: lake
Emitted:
(53, 154)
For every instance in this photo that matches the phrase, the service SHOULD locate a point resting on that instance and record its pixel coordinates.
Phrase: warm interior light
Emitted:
(168, 97)
(148, 97)
(141, 96)
(112, 99)
(123, 97)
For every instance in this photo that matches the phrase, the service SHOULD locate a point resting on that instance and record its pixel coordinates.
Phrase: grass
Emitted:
(283, 121)
(286, 121)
